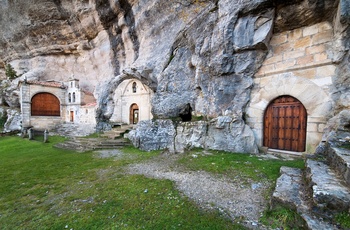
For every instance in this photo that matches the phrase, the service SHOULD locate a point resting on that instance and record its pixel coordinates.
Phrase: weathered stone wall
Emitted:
(301, 63)
(306, 52)
(195, 55)
(40, 122)
(87, 115)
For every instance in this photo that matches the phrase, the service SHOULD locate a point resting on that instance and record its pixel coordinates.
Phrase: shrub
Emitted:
(10, 72)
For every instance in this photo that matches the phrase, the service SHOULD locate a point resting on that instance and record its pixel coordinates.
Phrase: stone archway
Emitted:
(317, 102)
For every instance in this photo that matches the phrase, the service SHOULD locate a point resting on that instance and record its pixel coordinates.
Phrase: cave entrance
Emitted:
(186, 113)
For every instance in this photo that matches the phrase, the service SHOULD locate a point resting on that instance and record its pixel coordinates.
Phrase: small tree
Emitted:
(10, 72)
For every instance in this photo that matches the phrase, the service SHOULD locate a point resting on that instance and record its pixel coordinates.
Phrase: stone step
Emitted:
(71, 145)
(113, 144)
(85, 144)
(339, 159)
(330, 192)
(290, 192)
(116, 132)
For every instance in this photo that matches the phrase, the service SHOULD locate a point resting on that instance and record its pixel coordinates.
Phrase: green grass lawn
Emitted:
(245, 166)
(249, 169)
(47, 188)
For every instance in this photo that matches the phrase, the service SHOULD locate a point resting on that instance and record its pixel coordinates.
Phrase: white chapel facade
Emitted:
(132, 102)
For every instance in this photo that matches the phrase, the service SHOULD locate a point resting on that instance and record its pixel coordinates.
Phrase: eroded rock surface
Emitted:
(224, 133)
(198, 56)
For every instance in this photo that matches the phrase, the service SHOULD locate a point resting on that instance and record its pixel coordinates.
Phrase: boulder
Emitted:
(14, 120)
(224, 133)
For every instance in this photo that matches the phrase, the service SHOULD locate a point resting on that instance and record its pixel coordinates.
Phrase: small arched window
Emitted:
(134, 86)
(74, 97)
(69, 97)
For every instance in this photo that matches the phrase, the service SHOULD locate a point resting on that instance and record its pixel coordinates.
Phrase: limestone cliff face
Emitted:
(196, 55)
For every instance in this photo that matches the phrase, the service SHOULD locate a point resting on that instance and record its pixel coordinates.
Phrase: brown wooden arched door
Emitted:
(134, 114)
(45, 104)
(285, 124)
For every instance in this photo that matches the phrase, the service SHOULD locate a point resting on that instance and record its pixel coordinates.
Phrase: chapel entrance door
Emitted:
(134, 114)
(71, 116)
(285, 124)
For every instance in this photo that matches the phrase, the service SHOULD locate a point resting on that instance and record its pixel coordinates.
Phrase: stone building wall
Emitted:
(77, 109)
(40, 122)
(124, 98)
(299, 64)
(87, 114)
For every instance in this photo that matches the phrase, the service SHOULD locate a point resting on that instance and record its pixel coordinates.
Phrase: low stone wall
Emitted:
(43, 122)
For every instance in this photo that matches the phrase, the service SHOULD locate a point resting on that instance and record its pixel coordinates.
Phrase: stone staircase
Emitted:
(117, 132)
(111, 139)
(320, 191)
(81, 144)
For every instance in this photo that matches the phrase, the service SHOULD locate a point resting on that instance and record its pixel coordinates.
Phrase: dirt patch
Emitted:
(242, 202)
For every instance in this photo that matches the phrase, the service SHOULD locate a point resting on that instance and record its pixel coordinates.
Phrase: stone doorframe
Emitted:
(317, 102)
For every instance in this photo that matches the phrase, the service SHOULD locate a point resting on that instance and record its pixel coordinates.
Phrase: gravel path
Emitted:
(242, 202)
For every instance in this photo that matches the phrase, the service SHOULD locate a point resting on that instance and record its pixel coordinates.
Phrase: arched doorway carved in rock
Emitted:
(285, 122)
(134, 114)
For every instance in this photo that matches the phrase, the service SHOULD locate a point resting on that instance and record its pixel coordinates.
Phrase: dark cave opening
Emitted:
(186, 113)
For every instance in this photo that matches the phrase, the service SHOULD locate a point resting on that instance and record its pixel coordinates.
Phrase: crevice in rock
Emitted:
(171, 57)
(130, 21)
(107, 17)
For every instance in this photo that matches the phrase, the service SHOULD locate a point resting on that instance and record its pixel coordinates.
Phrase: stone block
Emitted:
(316, 49)
(266, 69)
(323, 37)
(295, 34)
(302, 42)
(278, 39)
(293, 54)
(273, 59)
(325, 108)
(328, 190)
(312, 127)
(323, 82)
(285, 64)
(307, 31)
(305, 73)
(277, 50)
(325, 71)
(287, 188)
(339, 159)
(324, 26)
(305, 60)
(321, 128)
(320, 57)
